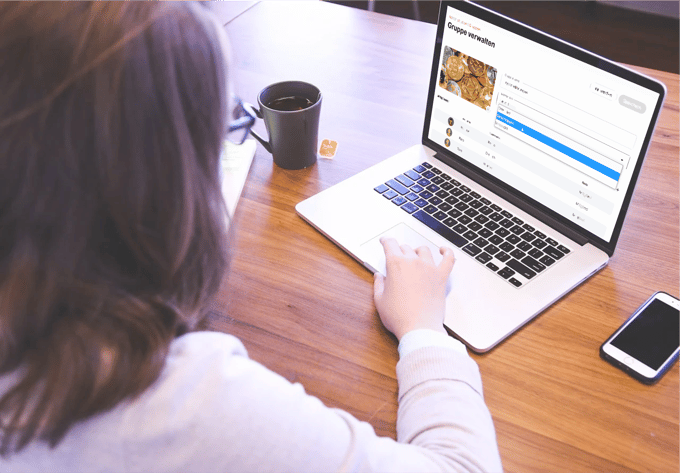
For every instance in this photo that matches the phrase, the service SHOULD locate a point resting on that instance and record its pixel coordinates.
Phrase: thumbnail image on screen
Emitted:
(467, 77)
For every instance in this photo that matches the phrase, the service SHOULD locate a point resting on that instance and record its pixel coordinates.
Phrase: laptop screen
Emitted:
(542, 118)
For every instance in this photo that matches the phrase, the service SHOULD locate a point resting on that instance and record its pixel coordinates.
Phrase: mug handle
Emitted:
(256, 112)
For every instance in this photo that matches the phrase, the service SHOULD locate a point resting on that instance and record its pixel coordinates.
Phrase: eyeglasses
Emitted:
(243, 119)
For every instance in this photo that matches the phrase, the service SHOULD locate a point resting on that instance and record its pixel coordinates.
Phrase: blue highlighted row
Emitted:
(582, 158)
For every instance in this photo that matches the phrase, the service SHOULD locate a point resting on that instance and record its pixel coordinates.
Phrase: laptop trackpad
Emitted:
(373, 254)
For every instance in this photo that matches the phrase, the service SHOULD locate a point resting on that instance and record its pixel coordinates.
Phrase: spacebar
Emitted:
(440, 228)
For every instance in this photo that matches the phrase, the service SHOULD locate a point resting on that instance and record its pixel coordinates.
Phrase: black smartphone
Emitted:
(647, 344)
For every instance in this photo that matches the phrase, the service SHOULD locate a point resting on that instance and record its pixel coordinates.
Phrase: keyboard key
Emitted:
(518, 254)
(475, 195)
(442, 194)
(482, 218)
(539, 234)
(506, 223)
(382, 188)
(455, 213)
(528, 227)
(412, 196)
(495, 239)
(465, 188)
(428, 174)
(540, 244)
(496, 217)
(457, 191)
(515, 282)
(507, 247)
(485, 201)
(414, 176)
(553, 252)
(514, 239)
(506, 214)
(397, 187)
(471, 212)
(451, 200)
(484, 258)
(440, 228)
(421, 202)
(464, 219)
(461, 206)
(435, 200)
(528, 236)
(506, 272)
(454, 182)
(563, 249)
(517, 230)
(474, 226)
(536, 253)
(471, 249)
(470, 235)
(430, 209)
(432, 188)
(425, 194)
(445, 207)
(481, 242)
(475, 204)
(409, 207)
(465, 197)
(491, 225)
(503, 232)
(398, 200)
(419, 169)
(547, 260)
(551, 241)
(437, 180)
(427, 165)
(440, 215)
(517, 221)
(485, 232)
(450, 222)
(492, 250)
(485, 210)
(524, 246)
(436, 171)
(496, 207)
(502, 257)
(404, 180)
(533, 264)
(492, 267)
(424, 182)
(447, 185)
(390, 194)
(416, 188)
(460, 228)
(446, 176)
(521, 268)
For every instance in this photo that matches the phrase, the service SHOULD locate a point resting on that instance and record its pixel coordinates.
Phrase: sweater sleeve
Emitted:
(214, 409)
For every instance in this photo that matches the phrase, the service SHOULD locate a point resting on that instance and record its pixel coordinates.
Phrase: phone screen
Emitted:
(653, 336)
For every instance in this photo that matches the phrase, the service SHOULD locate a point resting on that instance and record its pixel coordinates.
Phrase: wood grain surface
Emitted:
(304, 308)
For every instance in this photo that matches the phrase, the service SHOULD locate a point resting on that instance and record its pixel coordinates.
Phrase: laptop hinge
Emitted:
(531, 210)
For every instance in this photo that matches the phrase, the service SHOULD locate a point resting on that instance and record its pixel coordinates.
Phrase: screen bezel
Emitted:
(530, 204)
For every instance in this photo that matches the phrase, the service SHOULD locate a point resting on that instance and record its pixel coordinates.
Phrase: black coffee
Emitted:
(290, 104)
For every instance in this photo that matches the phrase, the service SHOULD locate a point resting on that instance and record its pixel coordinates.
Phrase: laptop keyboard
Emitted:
(493, 236)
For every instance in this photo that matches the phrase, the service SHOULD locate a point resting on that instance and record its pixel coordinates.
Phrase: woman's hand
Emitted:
(412, 295)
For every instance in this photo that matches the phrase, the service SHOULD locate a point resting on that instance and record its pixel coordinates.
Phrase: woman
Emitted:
(112, 240)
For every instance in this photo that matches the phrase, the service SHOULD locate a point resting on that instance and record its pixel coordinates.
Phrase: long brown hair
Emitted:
(112, 233)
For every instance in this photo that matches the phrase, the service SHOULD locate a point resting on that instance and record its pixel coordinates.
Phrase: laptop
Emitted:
(530, 152)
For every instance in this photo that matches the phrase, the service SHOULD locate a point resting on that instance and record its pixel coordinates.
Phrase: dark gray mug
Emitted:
(293, 134)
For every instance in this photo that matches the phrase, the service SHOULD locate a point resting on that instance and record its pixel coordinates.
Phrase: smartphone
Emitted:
(647, 344)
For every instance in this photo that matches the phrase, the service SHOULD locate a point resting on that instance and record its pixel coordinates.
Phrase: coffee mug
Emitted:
(290, 111)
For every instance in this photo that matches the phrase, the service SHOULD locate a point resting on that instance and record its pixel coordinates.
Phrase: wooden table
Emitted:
(304, 308)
